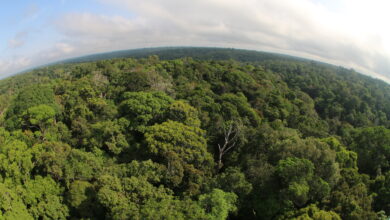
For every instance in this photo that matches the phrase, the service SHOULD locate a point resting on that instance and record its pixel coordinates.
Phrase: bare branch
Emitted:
(231, 131)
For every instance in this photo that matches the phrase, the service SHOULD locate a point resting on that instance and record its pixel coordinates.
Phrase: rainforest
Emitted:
(194, 133)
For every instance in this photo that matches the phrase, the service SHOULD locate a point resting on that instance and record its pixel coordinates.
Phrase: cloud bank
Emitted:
(330, 31)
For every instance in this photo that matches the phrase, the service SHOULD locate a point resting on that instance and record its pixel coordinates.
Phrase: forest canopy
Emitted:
(194, 137)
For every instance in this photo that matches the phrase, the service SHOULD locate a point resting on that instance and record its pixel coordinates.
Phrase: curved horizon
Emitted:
(41, 32)
(84, 58)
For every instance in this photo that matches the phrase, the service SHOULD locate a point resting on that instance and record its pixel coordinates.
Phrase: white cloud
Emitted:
(14, 64)
(18, 40)
(301, 27)
(60, 50)
(352, 33)
(91, 25)
(65, 48)
(15, 43)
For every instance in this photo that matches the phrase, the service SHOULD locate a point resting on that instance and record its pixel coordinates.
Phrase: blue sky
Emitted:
(31, 21)
(37, 32)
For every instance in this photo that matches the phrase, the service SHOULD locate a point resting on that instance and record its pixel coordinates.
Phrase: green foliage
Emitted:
(81, 198)
(136, 198)
(233, 180)
(351, 198)
(236, 107)
(311, 212)
(345, 158)
(43, 197)
(218, 204)
(66, 164)
(143, 108)
(205, 137)
(29, 97)
(296, 174)
(182, 149)
(294, 169)
(16, 158)
(109, 135)
(373, 148)
(184, 113)
(12, 206)
(39, 117)
(381, 186)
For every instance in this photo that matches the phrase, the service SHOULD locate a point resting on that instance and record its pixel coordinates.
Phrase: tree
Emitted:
(133, 138)
(39, 117)
(82, 199)
(236, 107)
(218, 204)
(231, 133)
(12, 206)
(28, 97)
(296, 174)
(43, 197)
(372, 145)
(144, 108)
(125, 198)
(233, 180)
(182, 112)
(351, 198)
(182, 149)
(65, 164)
(16, 158)
(311, 212)
(109, 135)
(381, 186)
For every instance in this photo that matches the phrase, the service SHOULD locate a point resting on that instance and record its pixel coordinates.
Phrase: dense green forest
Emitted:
(231, 135)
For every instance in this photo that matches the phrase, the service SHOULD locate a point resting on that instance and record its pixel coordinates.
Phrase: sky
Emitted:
(350, 33)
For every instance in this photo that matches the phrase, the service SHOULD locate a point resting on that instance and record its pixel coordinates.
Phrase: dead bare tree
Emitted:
(231, 132)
